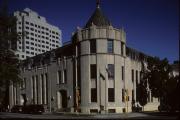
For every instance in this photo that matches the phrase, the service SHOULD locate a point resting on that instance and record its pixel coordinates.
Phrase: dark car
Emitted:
(33, 109)
(17, 109)
(163, 107)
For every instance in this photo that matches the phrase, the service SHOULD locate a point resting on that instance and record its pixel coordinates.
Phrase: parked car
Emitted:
(137, 109)
(164, 108)
(17, 109)
(33, 109)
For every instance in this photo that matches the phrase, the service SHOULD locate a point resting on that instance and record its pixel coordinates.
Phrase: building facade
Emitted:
(36, 35)
(94, 73)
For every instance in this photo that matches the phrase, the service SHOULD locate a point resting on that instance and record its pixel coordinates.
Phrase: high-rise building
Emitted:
(36, 34)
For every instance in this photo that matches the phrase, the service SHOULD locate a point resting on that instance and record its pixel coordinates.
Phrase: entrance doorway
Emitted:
(62, 99)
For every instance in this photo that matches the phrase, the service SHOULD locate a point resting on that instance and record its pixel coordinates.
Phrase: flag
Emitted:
(101, 75)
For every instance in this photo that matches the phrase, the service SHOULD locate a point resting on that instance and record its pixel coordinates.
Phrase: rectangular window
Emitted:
(92, 46)
(110, 94)
(122, 48)
(46, 78)
(43, 94)
(79, 49)
(111, 110)
(132, 95)
(132, 75)
(122, 69)
(23, 84)
(136, 77)
(93, 110)
(111, 71)
(59, 77)
(93, 71)
(123, 95)
(37, 89)
(65, 76)
(110, 46)
(93, 95)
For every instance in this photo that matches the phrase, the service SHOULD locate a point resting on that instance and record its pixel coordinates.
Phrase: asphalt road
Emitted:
(122, 116)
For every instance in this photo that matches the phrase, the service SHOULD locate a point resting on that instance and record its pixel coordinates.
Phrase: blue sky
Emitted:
(152, 26)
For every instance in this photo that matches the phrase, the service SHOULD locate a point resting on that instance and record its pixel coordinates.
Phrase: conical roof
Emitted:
(98, 19)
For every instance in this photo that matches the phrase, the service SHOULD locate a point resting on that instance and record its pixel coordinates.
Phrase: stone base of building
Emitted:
(151, 106)
(88, 110)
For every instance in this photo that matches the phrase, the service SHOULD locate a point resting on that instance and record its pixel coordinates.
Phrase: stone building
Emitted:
(95, 72)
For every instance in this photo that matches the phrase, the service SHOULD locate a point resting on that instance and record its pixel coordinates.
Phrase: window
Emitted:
(122, 48)
(32, 33)
(32, 29)
(32, 48)
(92, 46)
(111, 110)
(111, 94)
(93, 110)
(93, 71)
(65, 76)
(27, 23)
(79, 49)
(122, 70)
(110, 46)
(23, 84)
(93, 95)
(59, 77)
(132, 95)
(32, 24)
(136, 77)
(110, 71)
(123, 95)
(132, 74)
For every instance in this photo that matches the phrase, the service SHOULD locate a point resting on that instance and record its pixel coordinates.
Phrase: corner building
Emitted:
(95, 73)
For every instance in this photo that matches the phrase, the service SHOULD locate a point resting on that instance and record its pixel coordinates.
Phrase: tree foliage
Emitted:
(158, 75)
(161, 83)
(142, 93)
(142, 88)
(9, 72)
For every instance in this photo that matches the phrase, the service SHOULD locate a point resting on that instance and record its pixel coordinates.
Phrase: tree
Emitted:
(173, 88)
(142, 87)
(162, 84)
(142, 94)
(157, 75)
(9, 72)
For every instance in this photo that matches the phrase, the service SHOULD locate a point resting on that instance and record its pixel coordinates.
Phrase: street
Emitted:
(54, 116)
